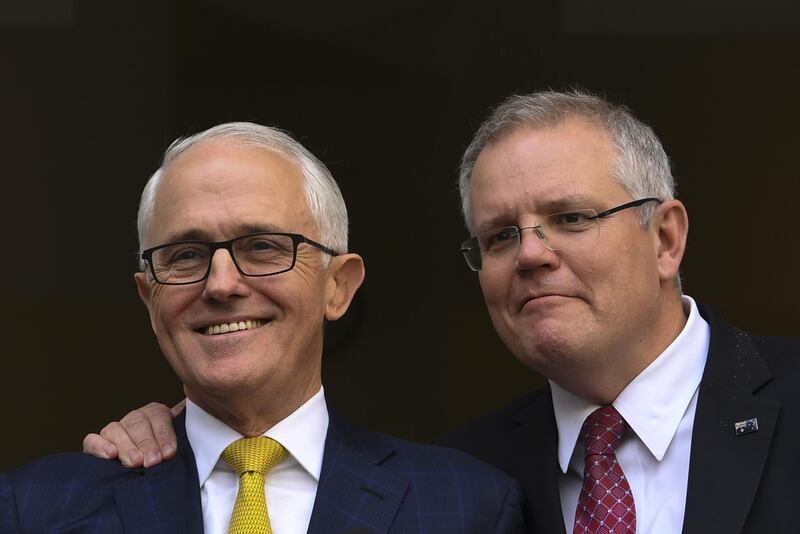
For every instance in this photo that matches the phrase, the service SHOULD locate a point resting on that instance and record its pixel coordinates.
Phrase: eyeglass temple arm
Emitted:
(633, 204)
(320, 246)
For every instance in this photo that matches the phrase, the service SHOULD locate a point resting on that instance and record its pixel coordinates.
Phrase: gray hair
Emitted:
(321, 191)
(641, 166)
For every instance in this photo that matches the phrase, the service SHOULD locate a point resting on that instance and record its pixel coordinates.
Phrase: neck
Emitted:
(622, 364)
(252, 415)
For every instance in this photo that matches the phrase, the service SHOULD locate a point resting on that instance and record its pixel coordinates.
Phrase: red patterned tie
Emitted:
(605, 505)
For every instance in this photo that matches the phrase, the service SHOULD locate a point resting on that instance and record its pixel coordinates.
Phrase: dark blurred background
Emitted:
(388, 96)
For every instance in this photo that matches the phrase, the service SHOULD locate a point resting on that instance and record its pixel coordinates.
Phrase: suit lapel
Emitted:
(164, 498)
(725, 469)
(536, 447)
(358, 491)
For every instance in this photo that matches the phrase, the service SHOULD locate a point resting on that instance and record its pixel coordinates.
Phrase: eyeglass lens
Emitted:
(572, 231)
(256, 255)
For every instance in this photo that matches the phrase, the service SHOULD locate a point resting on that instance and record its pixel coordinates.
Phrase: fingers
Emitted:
(143, 438)
(178, 408)
(96, 445)
(159, 418)
(127, 451)
(136, 436)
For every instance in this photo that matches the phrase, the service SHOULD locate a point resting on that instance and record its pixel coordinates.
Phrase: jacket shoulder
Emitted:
(47, 491)
(412, 458)
(782, 357)
(493, 426)
(422, 488)
(753, 359)
(59, 465)
(66, 472)
(779, 351)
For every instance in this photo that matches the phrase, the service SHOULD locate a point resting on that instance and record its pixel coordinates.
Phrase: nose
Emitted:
(533, 250)
(224, 279)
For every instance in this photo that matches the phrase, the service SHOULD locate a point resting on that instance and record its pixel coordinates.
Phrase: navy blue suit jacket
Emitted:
(746, 483)
(369, 483)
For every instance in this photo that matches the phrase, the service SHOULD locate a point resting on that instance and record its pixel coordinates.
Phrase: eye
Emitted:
(186, 254)
(261, 244)
(504, 234)
(264, 246)
(573, 218)
(572, 221)
(498, 238)
(180, 256)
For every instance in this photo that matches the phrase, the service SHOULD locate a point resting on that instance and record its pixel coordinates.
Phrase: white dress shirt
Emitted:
(291, 487)
(659, 406)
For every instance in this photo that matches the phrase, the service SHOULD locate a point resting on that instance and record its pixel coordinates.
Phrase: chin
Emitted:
(227, 371)
(227, 385)
(541, 345)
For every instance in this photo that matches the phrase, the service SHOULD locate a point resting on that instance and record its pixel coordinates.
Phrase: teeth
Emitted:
(233, 327)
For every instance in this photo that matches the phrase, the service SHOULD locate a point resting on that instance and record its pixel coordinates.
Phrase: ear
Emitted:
(672, 224)
(145, 289)
(345, 274)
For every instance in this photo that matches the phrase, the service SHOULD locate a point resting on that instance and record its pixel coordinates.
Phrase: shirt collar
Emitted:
(654, 402)
(302, 433)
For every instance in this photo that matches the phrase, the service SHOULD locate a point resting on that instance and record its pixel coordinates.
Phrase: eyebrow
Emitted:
(544, 208)
(198, 234)
(568, 202)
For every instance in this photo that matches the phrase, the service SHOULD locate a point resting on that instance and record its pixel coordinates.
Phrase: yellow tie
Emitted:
(251, 458)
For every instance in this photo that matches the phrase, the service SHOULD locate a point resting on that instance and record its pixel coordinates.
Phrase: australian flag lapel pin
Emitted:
(747, 426)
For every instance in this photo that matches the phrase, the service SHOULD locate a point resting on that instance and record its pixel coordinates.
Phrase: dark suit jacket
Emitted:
(369, 483)
(747, 483)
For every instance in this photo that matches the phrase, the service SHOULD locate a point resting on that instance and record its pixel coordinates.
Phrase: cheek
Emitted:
(495, 295)
(620, 283)
(493, 286)
(595, 274)
(301, 301)
(165, 306)
(156, 296)
(155, 304)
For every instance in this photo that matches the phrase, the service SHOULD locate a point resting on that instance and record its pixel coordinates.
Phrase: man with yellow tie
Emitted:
(243, 239)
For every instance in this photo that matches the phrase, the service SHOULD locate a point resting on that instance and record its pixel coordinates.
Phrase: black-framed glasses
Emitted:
(259, 254)
(574, 230)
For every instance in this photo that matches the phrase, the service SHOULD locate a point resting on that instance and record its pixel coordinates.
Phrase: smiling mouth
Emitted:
(225, 328)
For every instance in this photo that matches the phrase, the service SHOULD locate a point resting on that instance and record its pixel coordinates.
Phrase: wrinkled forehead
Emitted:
(539, 170)
(221, 185)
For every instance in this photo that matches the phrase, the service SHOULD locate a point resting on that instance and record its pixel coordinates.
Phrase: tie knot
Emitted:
(256, 455)
(603, 430)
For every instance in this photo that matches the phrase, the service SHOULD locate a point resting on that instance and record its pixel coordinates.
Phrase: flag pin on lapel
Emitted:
(746, 426)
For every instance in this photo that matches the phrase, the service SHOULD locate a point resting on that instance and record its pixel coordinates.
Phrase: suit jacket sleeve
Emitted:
(510, 519)
(9, 523)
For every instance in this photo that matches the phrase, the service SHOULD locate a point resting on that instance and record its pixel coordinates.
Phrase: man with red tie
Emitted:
(658, 417)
